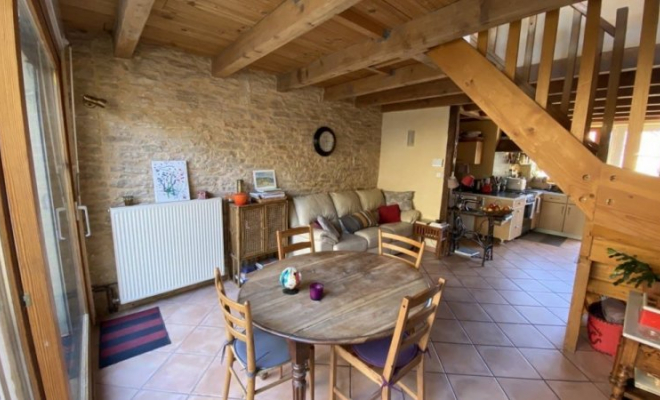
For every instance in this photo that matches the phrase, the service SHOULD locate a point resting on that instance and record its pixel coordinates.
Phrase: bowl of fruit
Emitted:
(496, 210)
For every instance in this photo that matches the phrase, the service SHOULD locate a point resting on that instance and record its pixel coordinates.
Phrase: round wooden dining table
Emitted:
(361, 301)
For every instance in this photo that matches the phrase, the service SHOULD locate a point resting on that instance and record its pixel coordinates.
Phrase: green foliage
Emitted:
(632, 271)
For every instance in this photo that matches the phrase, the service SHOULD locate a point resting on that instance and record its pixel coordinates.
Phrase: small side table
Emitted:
(637, 351)
(423, 230)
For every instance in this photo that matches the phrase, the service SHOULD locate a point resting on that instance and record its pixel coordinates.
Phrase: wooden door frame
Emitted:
(68, 110)
(23, 207)
(13, 294)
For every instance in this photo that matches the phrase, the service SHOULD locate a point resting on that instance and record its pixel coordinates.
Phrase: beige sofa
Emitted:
(306, 209)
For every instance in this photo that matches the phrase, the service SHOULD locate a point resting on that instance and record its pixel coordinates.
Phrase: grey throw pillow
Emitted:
(329, 228)
(403, 199)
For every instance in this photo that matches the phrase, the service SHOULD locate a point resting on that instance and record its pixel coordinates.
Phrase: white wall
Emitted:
(404, 168)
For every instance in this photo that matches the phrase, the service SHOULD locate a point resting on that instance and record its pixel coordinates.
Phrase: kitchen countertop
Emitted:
(501, 195)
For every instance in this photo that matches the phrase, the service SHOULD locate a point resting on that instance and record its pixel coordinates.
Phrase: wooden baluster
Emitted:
(482, 42)
(642, 83)
(547, 57)
(613, 82)
(512, 47)
(570, 62)
(589, 68)
(529, 49)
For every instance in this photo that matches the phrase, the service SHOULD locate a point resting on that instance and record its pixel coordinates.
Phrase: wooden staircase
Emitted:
(622, 207)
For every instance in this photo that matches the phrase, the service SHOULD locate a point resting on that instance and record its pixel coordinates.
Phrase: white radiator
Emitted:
(163, 247)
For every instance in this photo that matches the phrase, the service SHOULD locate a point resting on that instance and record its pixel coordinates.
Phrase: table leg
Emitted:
(300, 353)
(623, 367)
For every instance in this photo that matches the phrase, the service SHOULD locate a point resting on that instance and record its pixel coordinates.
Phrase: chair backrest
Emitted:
(283, 241)
(238, 321)
(413, 328)
(416, 253)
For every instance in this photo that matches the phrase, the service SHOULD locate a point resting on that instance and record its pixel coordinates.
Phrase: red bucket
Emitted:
(604, 336)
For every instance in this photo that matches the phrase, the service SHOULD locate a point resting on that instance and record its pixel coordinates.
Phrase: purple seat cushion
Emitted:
(375, 352)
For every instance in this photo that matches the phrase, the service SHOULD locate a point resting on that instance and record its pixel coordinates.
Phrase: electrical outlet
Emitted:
(438, 162)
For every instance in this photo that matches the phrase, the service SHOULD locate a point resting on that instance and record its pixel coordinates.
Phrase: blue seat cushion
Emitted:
(270, 350)
(375, 352)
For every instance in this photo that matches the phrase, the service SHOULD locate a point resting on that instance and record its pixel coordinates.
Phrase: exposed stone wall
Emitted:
(164, 105)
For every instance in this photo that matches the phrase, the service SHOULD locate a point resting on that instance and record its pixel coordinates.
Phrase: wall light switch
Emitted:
(438, 162)
(440, 175)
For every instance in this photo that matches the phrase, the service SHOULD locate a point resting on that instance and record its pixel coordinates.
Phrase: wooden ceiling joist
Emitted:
(288, 21)
(132, 16)
(445, 101)
(442, 87)
(404, 76)
(416, 36)
(359, 23)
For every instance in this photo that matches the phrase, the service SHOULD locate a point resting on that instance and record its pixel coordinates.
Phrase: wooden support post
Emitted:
(547, 57)
(642, 83)
(529, 49)
(569, 77)
(450, 157)
(577, 304)
(512, 48)
(588, 71)
(613, 83)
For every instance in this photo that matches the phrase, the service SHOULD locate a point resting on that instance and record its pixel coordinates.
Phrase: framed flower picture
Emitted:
(170, 181)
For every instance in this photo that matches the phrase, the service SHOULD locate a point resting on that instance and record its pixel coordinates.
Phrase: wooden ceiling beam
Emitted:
(442, 87)
(399, 77)
(444, 101)
(288, 21)
(132, 16)
(354, 20)
(601, 94)
(416, 36)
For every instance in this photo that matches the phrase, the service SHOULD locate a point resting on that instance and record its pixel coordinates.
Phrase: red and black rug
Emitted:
(131, 335)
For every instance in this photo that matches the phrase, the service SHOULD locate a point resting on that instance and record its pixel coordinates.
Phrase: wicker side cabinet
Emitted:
(253, 230)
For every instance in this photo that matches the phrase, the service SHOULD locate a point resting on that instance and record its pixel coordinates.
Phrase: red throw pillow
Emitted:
(389, 214)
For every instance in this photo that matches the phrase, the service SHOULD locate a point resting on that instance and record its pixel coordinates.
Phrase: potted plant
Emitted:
(605, 327)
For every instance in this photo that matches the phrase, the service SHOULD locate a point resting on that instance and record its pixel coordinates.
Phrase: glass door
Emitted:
(47, 140)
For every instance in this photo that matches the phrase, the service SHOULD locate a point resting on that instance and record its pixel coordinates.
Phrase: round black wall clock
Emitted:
(324, 141)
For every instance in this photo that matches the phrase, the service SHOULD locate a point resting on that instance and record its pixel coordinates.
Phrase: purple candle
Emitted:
(316, 291)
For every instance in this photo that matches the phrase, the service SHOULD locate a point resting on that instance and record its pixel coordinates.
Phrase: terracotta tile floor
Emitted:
(498, 335)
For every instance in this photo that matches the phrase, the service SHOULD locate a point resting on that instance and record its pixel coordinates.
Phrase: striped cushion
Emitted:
(358, 221)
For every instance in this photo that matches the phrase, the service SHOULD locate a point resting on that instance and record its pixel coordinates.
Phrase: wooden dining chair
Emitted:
(396, 251)
(386, 361)
(284, 237)
(258, 352)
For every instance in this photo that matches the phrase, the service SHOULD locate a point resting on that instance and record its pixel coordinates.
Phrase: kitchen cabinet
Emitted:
(559, 216)
(510, 229)
(574, 221)
(552, 216)
(469, 152)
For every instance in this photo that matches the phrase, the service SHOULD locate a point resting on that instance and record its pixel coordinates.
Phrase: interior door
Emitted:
(43, 109)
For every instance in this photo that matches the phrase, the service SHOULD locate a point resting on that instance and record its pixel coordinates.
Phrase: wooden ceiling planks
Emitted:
(205, 27)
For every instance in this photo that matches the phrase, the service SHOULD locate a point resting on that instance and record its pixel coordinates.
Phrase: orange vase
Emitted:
(241, 199)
